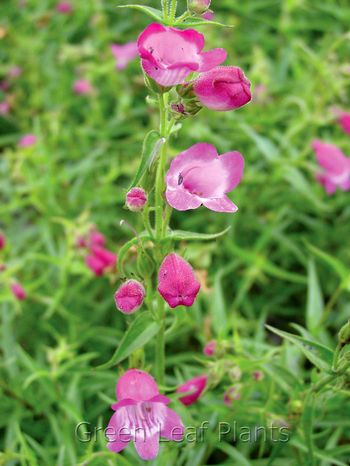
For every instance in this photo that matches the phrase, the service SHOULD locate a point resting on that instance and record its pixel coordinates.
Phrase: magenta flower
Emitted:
(96, 238)
(169, 55)
(18, 291)
(177, 283)
(210, 348)
(124, 53)
(335, 165)
(200, 176)
(108, 258)
(141, 416)
(27, 140)
(129, 296)
(4, 108)
(194, 387)
(82, 87)
(136, 198)
(2, 241)
(208, 15)
(223, 88)
(95, 264)
(344, 121)
(198, 6)
(64, 7)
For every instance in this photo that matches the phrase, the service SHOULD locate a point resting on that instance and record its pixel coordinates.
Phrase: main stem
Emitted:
(160, 232)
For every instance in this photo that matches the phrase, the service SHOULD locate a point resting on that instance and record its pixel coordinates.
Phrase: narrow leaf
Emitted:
(180, 235)
(315, 303)
(149, 144)
(140, 332)
(148, 10)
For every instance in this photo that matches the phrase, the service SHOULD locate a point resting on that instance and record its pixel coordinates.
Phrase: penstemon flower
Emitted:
(169, 55)
(18, 291)
(183, 78)
(223, 88)
(176, 281)
(335, 167)
(344, 121)
(141, 416)
(124, 53)
(82, 87)
(200, 176)
(27, 140)
(193, 389)
(129, 297)
(2, 241)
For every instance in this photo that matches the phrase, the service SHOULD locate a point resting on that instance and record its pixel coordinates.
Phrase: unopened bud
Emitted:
(136, 199)
(198, 6)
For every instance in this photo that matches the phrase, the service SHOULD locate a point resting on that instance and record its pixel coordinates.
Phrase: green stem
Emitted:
(333, 299)
(165, 8)
(160, 343)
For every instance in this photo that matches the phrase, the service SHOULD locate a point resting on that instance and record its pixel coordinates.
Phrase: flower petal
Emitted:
(116, 432)
(173, 428)
(180, 199)
(211, 59)
(137, 385)
(147, 446)
(223, 204)
(234, 165)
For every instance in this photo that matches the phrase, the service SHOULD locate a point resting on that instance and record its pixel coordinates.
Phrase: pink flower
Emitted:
(258, 375)
(96, 238)
(223, 88)
(208, 15)
(64, 8)
(195, 388)
(198, 6)
(124, 53)
(141, 416)
(129, 296)
(136, 198)
(230, 395)
(210, 348)
(200, 176)
(14, 72)
(2, 241)
(169, 55)
(4, 108)
(335, 165)
(82, 87)
(18, 291)
(344, 121)
(4, 85)
(108, 258)
(27, 140)
(176, 281)
(95, 264)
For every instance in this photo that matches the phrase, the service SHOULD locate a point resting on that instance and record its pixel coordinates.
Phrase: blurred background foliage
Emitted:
(264, 270)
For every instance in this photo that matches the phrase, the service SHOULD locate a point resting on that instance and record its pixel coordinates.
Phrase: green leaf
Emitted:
(180, 235)
(150, 148)
(334, 263)
(315, 303)
(148, 10)
(192, 22)
(140, 332)
(319, 355)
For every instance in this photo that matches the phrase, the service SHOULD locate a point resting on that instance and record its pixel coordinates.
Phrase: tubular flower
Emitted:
(177, 283)
(335, 167)
(194, 387)
(2, 240)
(124, 53)
(141, 416)
(169, 55)
(82, 87)
(18, 291)
(27, 140)
(344, 121)
(129, 296)
(223, 88)
(200, 176)
(210, 348)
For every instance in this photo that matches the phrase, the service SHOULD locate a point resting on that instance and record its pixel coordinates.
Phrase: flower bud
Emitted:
(198, 6)
(194, 387)
(136, 199)
(232, 394)
(18, 291)
(223, 88)
(129, 296)
(177, 283)
(2, 241)
(210, 348)
(258, 376)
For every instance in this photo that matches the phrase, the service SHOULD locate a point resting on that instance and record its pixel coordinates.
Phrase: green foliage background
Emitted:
(286, 255)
